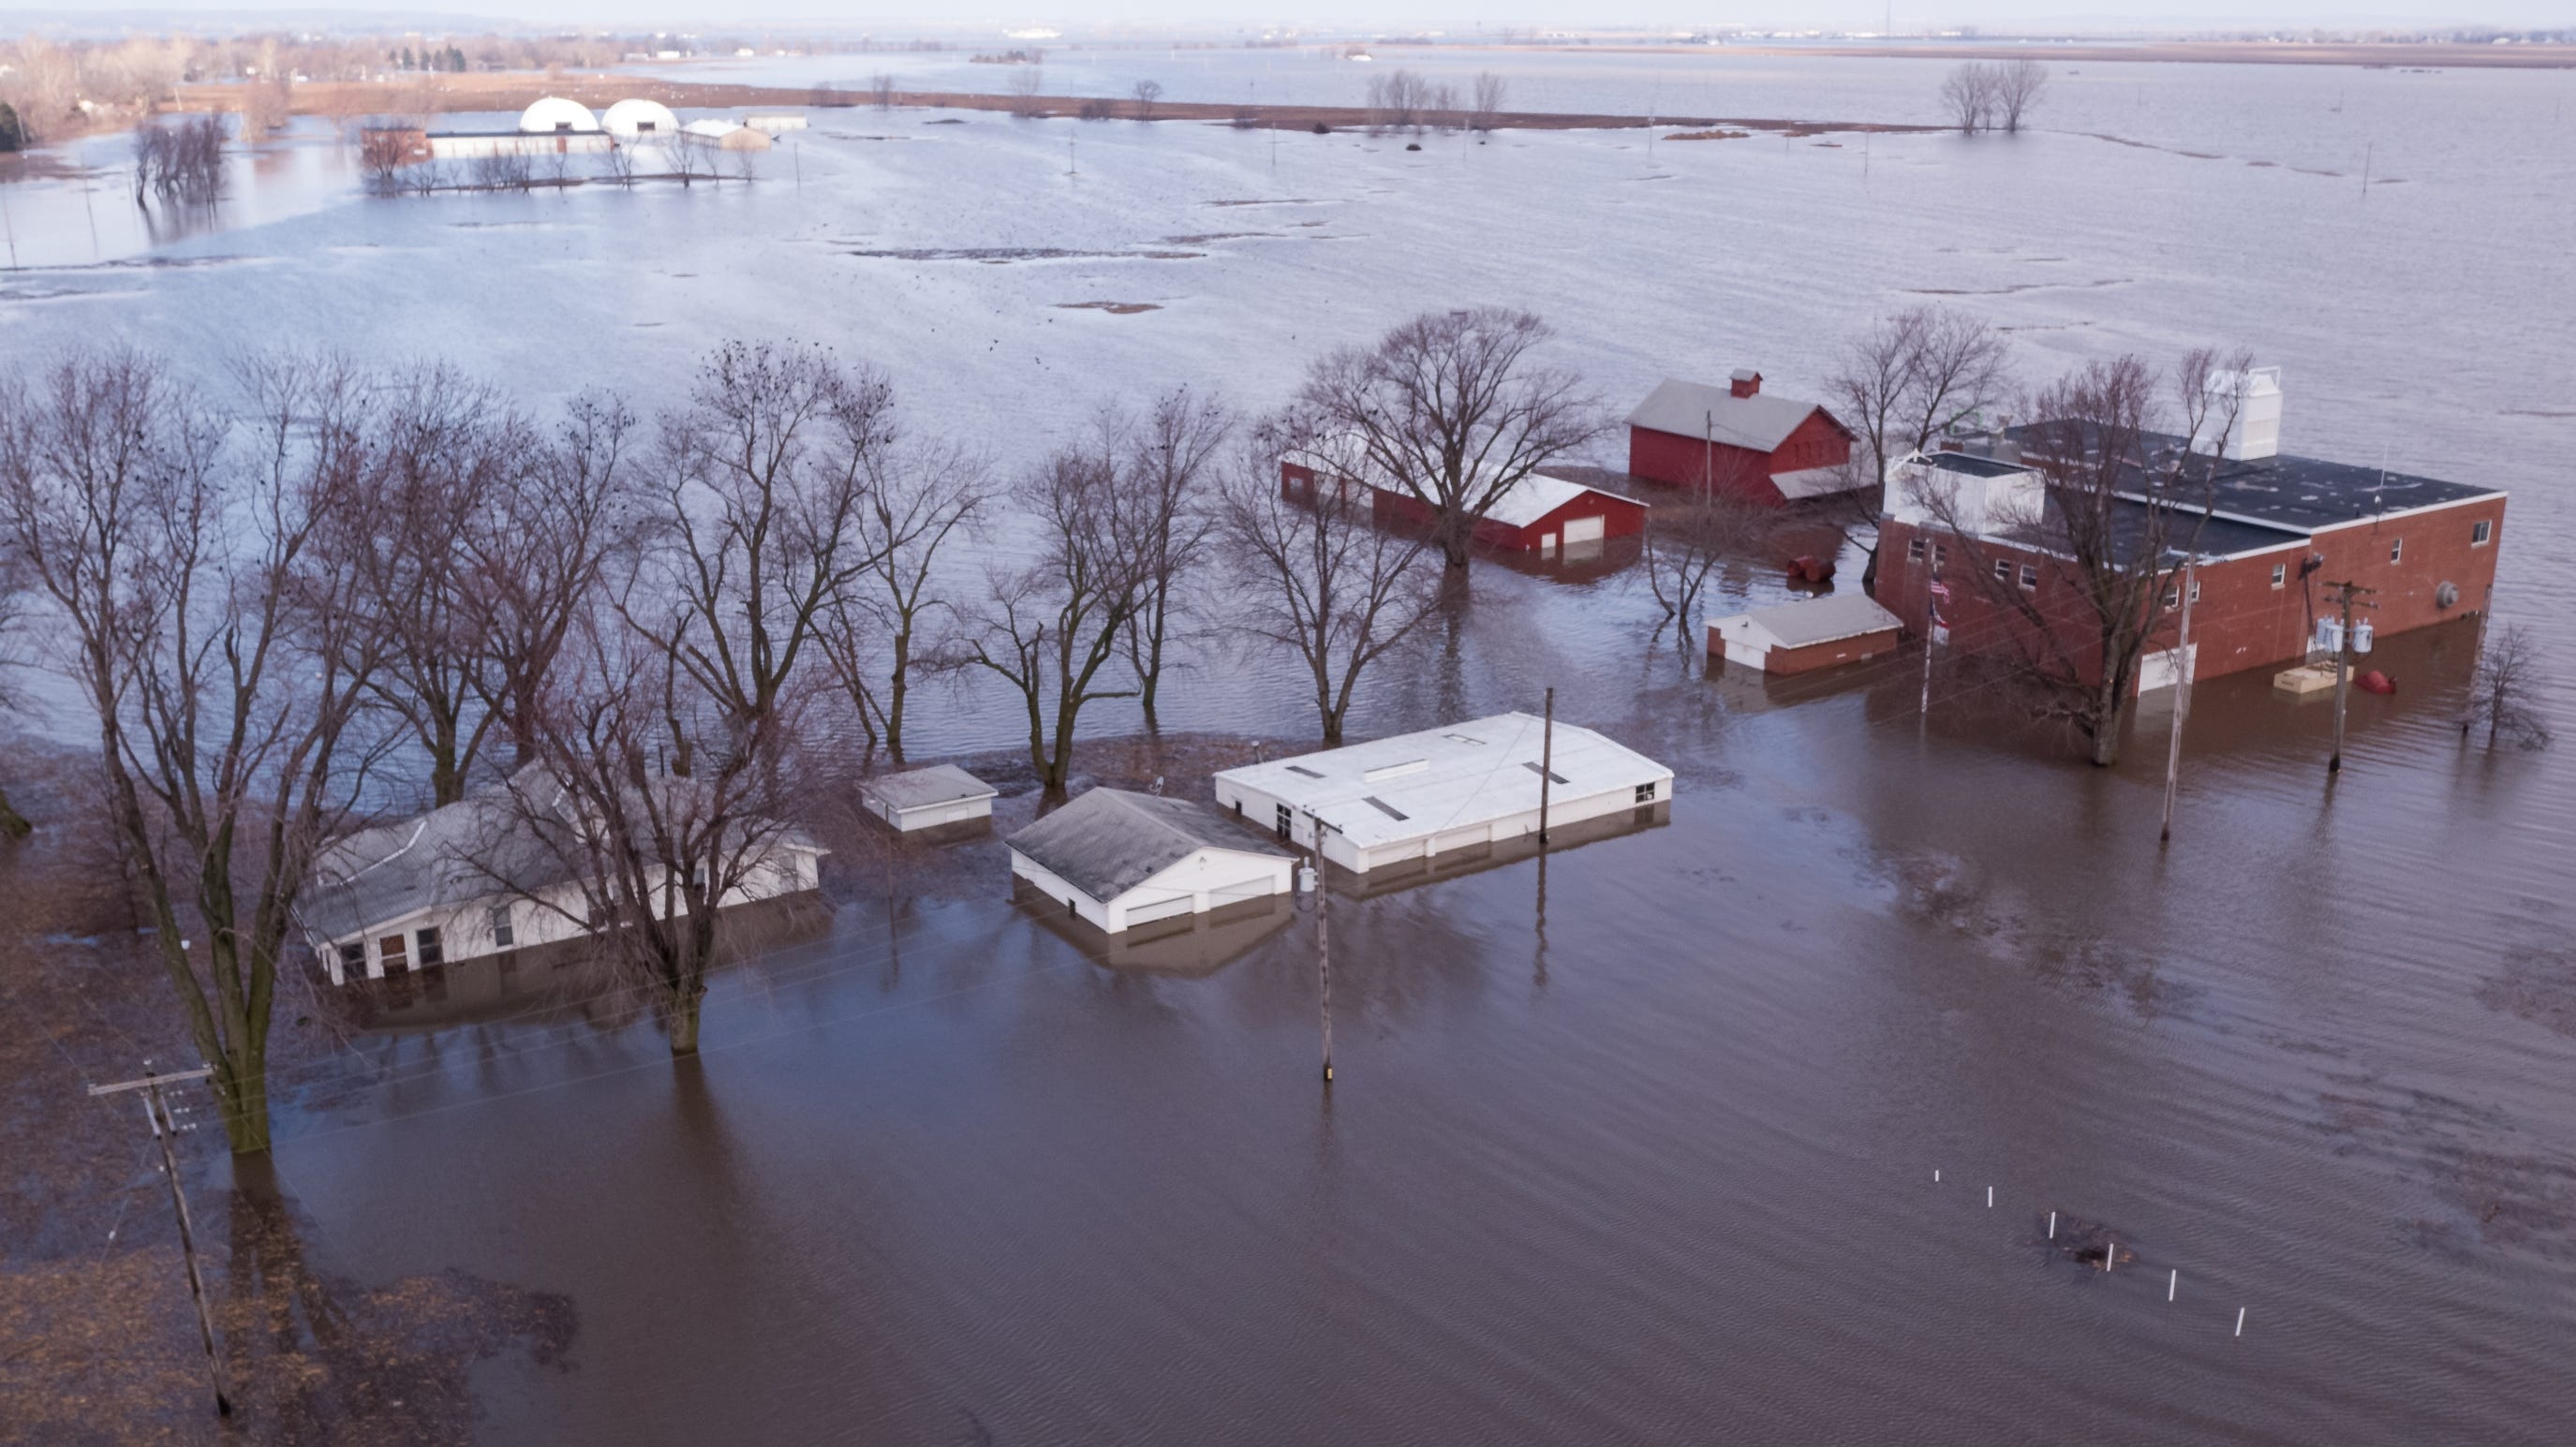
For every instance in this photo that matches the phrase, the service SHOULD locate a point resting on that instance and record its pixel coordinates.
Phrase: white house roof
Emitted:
(1540, 493)
(1109, 841)
(1817, 620)
(554, 113)
(922, 788)
(1445, 778)
(637, 116)
(1759, 423)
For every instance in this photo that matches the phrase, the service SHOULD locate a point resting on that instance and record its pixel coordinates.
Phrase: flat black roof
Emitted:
(2305, 493)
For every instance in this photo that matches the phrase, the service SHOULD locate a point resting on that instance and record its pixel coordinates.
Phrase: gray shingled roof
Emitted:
(1108, 841)
(1760, 422)
(472, 849)
(1824, 620)
(921, 788)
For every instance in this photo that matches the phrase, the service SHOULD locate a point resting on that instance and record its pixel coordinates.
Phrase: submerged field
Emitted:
(1644, 1152)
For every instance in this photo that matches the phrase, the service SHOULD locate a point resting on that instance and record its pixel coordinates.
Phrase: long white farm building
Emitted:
(1418, 795)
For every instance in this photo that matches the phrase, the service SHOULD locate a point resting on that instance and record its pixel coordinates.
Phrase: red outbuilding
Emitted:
(1740, 439)
(1541, 513)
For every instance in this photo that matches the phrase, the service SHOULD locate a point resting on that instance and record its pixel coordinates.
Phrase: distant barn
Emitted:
(1740, 439)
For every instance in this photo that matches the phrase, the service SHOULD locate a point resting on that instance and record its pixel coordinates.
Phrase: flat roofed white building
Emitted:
(1118, 859)
(1417, 795)
(925, 798)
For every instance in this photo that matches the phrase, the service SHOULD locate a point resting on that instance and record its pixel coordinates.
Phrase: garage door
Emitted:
(1161, 909)
(1583, 530)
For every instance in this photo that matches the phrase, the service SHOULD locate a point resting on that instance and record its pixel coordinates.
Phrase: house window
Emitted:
(2029, 577)
(2397, 550)
(1285, 821)
(2280, 574)
(1914, 550)
(353, 957)
(432, 950)
(2195, 590)
(2003, 570)
(503, 936)
(1940, 555)
(2173, 599)
(1645, 793)
(2480, 531)
(393, 952)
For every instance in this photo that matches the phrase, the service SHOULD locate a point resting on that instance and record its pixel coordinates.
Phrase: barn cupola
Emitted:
(1745, 382)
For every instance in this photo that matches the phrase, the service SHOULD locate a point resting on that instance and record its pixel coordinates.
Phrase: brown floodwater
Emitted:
(1642, 1152)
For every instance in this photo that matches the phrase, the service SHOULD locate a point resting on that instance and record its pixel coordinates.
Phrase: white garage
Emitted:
(927, 798)
(1117, 859)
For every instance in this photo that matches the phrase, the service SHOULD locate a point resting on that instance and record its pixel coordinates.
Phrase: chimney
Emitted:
(1744, 383)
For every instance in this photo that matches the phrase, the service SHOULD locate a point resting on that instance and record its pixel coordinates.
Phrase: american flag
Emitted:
(1940, 625)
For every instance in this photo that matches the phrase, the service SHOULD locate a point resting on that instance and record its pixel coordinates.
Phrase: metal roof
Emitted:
(1541, 493)
(1109, 841)
(1818, 620)
(922, 788)
(1443, 778)
(1759, 423)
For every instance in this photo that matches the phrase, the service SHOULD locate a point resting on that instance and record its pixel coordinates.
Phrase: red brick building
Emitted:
(2279, 530)
(1740, 439)
(1540, 514)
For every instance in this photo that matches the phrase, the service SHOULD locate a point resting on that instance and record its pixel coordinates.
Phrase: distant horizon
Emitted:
(1450, 19)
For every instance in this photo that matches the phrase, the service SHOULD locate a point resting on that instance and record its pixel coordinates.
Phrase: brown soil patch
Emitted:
(1708, 135)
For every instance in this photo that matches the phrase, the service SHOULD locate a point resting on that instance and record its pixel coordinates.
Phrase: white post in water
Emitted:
(2110, 1256)
(1990, 1198)
(2052, 1225)
(1546, 763)
(2240, 1321)
(2171, 1282)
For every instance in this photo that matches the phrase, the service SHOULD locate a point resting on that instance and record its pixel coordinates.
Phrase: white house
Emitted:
(1118, 859)
(924, 798)
(483, 875)
(1417, 795)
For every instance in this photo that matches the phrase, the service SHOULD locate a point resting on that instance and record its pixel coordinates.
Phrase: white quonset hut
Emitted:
(1118, 859)
(637, 117)
(555, 115)
(1417, 795)
(926, 798)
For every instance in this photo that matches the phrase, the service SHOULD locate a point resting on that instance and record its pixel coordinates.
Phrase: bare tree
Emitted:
(745, 163)
(1314, 573)
(1028, 83)
(881, 90)
(2119, 520)
(14, 588)
(689, 158)
(1899, 385)
(503, 171)
(759, 489)
(1397, 100)
(1148, 94)
(619, 162)
(2505, 696)
(2015, 86)
(886, 628)
(1967, 97)
(1452, 410)
(266, 104)
(1166, 456)
(1054, 627)
(1487, 107)
(210, 651)
(181, 160)
(1689, 537)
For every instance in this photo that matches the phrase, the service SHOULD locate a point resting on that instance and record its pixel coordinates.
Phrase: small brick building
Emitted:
(1738, 438)
(1542, 513)
(2280, 529)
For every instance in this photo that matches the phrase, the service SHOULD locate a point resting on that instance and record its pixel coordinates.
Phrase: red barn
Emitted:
(1540, 514)
(1738, 438)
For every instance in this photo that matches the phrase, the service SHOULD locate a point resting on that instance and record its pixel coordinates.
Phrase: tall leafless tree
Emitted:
(881, 90)
(1053, 629)
(1149, 93)
(1315, 574)
(758, 492)
(1487, 107)
(888, 628)
(14, 588)
(211, 652)
(1398, 100)
(2505, 696)
(1166, 456)
(2123, 506)
(1968, 97)
(2016, 86)
(1028, 85)
(1899, 385)
(1454, 410)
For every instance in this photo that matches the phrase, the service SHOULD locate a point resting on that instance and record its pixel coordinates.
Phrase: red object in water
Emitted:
(1807, 568)
(2374, 682)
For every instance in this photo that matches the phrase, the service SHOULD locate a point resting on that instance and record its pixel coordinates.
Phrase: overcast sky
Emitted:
(1454, 16)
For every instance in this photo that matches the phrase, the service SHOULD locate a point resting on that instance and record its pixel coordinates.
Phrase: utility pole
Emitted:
(2182, 703)
(1546, 763)
(2345, 592)
(1324, 945)
(157, 1110)
(1932, 626)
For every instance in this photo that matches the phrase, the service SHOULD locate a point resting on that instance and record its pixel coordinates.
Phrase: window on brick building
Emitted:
(2397, 550)
(2195, 590)
(2029, 577)
(2173, 599)
(2003, 570)
(2280, 574)
(1914, 549)
(2480, 531)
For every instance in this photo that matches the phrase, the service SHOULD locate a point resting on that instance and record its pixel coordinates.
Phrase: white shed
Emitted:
(1118, 859)
(636, 116)
(1801, 637)
(1417, 795)
(923, 798)
(726, 135)
(554, 114)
